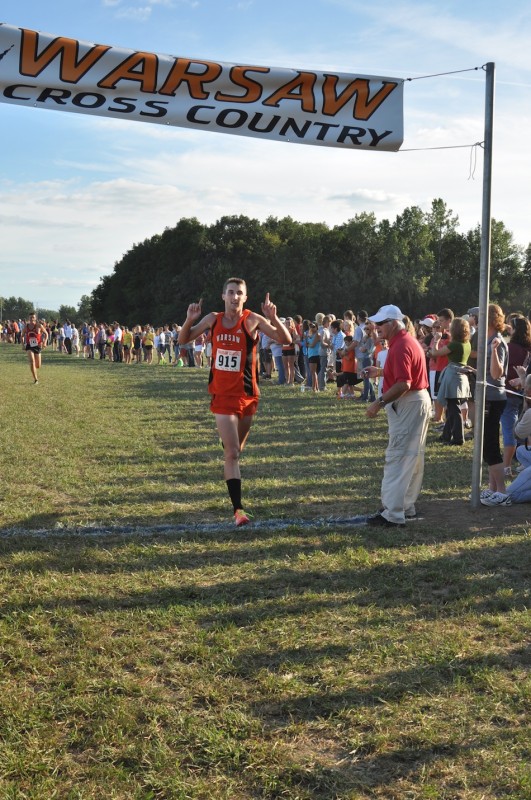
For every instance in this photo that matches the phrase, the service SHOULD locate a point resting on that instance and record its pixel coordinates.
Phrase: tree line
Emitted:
(18, 308)
(420, 261)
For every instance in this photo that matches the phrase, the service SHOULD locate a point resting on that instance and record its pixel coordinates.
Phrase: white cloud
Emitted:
(144, 11)
(140, 14)
(414, 25)
(47, 281)
(168, 3)
(360, 198)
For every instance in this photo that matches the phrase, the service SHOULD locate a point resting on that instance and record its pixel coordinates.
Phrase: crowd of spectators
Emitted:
(329, 353)
(115, 343)
(326, 350)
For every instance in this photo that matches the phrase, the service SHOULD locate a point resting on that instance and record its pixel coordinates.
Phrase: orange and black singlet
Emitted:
(234, 369)
(33, 335)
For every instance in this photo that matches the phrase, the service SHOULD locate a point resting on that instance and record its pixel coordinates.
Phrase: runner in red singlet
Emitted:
(233, 381)
(35, 338)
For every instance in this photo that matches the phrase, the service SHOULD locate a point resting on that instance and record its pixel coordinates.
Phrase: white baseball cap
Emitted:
(387, 312)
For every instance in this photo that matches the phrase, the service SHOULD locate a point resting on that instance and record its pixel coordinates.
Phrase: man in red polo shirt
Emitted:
(407, 402)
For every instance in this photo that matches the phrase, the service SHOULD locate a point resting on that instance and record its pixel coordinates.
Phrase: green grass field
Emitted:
(150, 650)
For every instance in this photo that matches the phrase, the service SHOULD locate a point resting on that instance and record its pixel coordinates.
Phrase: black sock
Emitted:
(234, 485)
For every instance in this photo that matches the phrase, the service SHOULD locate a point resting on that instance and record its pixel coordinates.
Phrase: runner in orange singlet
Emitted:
(35, 338)
(233, 381)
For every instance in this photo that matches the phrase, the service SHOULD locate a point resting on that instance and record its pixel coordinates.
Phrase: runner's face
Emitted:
(235, 296)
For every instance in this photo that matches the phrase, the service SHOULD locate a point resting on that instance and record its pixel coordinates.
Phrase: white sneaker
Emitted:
(485, 493)
(497, 499)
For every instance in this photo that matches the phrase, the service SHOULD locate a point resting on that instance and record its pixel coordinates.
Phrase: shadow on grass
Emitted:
(391, 687)
(82, 554)
(396, 773)
(495, 581)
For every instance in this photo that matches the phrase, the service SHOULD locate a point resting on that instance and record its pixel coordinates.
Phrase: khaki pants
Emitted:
(408, 420)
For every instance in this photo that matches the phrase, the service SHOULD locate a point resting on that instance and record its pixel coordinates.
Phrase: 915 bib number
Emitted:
(228, 360)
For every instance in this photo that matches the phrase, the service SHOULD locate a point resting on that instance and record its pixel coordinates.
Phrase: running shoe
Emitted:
(241, 518)
(483, 493)
(497, 499)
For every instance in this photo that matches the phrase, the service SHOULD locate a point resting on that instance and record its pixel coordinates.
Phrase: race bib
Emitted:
(33, 342)
(228, 360)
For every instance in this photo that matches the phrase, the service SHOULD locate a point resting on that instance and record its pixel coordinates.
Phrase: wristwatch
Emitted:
(382, 402)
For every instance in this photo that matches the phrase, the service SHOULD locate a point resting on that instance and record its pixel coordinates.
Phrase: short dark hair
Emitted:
(239, 281)
(447, 313)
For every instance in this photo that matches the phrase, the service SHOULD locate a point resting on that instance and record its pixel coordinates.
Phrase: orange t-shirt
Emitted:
(348, 362)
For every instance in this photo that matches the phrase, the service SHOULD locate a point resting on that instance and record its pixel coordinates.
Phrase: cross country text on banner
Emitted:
(333, 109)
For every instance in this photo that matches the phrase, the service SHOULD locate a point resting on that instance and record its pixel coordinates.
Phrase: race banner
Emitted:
(331, 109)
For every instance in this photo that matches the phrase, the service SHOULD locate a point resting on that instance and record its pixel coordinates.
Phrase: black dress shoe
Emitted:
(379, 520)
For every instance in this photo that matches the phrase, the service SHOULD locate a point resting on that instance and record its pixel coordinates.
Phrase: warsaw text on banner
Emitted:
(331, 109)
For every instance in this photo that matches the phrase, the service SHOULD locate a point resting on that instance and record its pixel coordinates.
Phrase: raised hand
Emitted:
(194, 311)
(269, 309)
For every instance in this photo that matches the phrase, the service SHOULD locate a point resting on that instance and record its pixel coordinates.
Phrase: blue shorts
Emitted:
(509, 418)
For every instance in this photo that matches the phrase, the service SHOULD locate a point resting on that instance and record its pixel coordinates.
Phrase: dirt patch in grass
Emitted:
(458, 515)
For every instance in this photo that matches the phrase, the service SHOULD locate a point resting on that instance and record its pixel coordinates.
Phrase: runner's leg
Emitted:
(227, 425)
(233, 432)
(244, 428)
(31, 359)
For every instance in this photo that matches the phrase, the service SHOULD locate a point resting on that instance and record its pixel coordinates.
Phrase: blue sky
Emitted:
(76, 192)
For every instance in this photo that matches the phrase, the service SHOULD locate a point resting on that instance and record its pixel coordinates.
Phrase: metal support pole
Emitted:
(484, 280)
